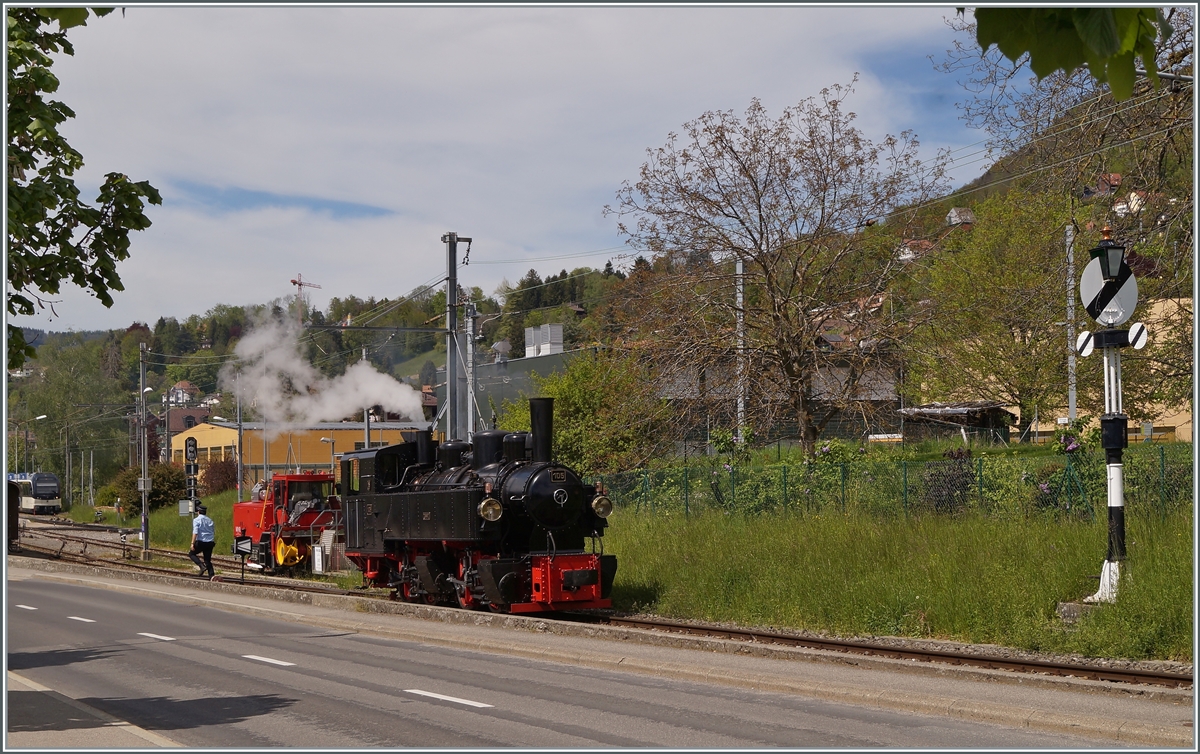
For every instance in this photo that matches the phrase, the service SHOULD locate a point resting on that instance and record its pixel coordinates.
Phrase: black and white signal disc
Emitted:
(1108, 302)
(1138, 336)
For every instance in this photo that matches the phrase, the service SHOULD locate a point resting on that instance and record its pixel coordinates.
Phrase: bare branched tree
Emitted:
(815, 211)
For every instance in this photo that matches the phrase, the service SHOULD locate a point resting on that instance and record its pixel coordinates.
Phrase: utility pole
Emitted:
(167, 424)
(741, 351)
(451, 240)
(237, 394)
(366, 416)
(472, 317)
(1071, 320)
(144, 482)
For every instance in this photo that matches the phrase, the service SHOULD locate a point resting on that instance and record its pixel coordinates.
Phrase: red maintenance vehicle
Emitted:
(287, 519)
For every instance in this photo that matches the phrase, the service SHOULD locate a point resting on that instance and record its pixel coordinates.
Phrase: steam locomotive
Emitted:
(492, 524)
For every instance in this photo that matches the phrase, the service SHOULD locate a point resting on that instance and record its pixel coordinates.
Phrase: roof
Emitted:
(320, 426)
(965, 408)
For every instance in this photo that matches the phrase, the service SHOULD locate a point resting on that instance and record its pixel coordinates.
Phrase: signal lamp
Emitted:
(602, 506)
(1111, 254)
(491, 509)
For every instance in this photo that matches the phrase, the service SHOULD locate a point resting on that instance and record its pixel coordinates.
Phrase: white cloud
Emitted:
(511, 125)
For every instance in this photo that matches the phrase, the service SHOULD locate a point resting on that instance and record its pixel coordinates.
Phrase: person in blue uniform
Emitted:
(203, 539)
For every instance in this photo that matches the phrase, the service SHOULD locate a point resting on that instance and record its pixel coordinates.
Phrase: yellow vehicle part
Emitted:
(287, 553)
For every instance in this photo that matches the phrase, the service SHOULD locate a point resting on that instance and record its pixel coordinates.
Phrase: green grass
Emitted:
(962, 578)
(412, 367)
(168, 529)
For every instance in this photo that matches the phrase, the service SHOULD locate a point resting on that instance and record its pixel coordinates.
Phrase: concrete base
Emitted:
(1109, 576)
(1071, 612)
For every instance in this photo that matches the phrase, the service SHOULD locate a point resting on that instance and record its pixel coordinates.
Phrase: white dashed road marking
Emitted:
(26, 607)
(267, 659)
(82, 620)
(467, 702)
(156, 636)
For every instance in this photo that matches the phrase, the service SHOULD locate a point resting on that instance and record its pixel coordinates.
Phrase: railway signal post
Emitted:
(1108, 292)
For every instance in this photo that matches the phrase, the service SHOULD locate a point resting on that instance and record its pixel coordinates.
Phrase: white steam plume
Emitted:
(290, 393)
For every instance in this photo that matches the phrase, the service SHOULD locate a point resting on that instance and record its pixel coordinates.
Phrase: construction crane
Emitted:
(300, 286)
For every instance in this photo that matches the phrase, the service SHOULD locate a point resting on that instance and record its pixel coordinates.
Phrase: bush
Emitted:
(167, 486)
(219, 476)
(106, 496)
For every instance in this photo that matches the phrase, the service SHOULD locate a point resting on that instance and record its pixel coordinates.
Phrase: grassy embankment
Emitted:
(964, 578)
(968, 578)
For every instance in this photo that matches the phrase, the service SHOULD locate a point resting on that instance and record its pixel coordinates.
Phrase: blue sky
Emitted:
(341, 143)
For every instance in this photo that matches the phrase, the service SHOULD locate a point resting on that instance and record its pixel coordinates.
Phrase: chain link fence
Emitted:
(1156, 478)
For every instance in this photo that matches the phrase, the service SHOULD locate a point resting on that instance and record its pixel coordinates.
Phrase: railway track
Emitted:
(989, 662)
(127, 548)
(1090, 671)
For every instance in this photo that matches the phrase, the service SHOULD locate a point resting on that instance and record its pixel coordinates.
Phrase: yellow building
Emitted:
(315, 448)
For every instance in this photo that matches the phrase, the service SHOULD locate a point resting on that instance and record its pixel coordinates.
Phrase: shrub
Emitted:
(167, 486)
(948, 484)
(219, 476)
(107, 496)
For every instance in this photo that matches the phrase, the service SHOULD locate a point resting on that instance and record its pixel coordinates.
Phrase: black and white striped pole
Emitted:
(1108, 292)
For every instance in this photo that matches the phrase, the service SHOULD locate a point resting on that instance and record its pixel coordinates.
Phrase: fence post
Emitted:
(904, 470)
(1162, 482)
(979, 479)
(843, 465)
(686, 513)
(646, 490)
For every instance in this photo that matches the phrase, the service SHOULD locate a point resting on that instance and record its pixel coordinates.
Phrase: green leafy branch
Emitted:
(1106, 40)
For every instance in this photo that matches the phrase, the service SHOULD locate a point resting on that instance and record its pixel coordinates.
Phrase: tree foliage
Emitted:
(1004, 341)
(1130, 164)
(815, 211)
(53, 236)
(607, 415)
(168, 486)
(1106, 40)
(85, 409)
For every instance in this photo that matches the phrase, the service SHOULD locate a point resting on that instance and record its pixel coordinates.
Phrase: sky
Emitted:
(341, 143)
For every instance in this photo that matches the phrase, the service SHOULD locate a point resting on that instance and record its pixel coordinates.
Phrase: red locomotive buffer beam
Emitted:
(565, 582)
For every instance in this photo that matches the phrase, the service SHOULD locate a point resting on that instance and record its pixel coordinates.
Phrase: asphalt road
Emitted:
(204, 677)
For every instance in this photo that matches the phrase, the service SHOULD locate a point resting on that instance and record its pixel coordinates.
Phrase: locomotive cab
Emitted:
(287, 521)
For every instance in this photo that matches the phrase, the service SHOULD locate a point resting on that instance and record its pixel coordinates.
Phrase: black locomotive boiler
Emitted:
(490, 524)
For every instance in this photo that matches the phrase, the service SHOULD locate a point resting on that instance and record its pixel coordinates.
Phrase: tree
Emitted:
(1003, 341)
(168, 484)
(53, 236)
(607, 417)
(815, 212)
(1106, 40)
(1129, 164)
(428, 375)
(85, 409)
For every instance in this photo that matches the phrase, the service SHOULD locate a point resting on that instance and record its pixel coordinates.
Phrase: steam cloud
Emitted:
(291, 394)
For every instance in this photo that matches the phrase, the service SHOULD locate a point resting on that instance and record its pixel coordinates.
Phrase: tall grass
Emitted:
(968, 578)
(168, 529)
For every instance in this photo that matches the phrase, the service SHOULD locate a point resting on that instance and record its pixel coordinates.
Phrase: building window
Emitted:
(189, 422)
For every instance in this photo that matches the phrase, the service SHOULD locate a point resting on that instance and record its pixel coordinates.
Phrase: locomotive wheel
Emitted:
(466, 600)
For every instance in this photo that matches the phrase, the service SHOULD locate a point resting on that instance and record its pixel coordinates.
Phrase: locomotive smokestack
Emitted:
(541, 420)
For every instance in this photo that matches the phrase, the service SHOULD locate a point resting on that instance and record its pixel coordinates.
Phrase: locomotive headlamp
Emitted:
(602, 506)
(490, 509)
